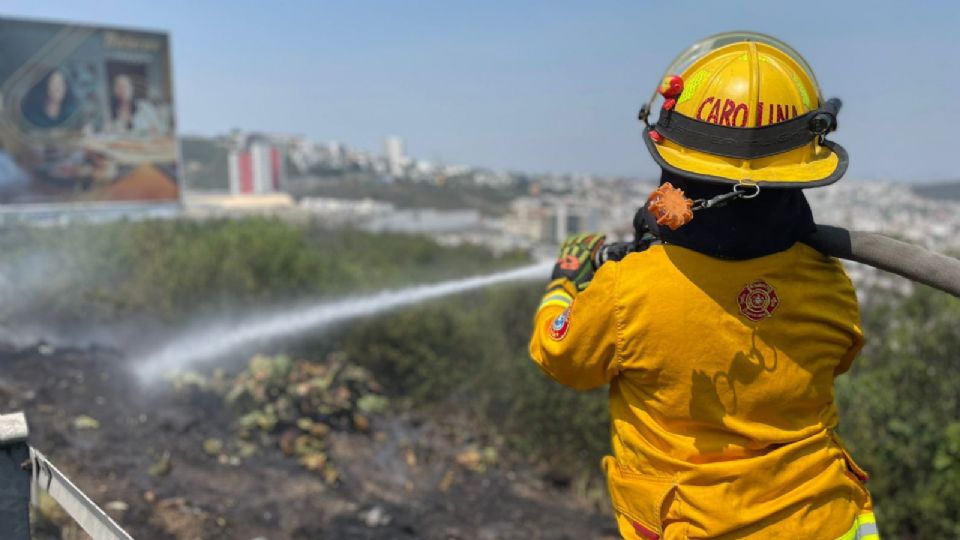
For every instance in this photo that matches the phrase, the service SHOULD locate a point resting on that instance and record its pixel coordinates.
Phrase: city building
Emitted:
(393, 151)
(240, 163)
(257, 167)
(552, 219)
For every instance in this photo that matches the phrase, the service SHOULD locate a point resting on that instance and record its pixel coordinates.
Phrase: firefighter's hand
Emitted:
(575, 261)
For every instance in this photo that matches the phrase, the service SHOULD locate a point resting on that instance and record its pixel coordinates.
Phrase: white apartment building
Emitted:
(393, 151)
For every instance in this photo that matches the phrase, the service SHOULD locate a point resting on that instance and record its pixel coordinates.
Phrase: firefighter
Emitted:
(721, 335)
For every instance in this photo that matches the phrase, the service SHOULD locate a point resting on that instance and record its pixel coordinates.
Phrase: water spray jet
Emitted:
(217, 340)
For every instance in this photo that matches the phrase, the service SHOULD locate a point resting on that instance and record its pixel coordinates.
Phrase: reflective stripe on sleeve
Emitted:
(556, 298)
(863, 528)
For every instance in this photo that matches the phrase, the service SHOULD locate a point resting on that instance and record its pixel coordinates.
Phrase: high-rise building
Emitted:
(393, 149)
(258, 168)
(336, 153)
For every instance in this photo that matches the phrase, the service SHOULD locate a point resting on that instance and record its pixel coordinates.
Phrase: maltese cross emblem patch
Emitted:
(758, 300)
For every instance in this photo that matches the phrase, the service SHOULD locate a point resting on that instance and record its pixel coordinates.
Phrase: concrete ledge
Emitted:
(13, 428)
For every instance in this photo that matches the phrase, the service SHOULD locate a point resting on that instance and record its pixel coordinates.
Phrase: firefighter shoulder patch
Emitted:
(560, 325)
(758, 300)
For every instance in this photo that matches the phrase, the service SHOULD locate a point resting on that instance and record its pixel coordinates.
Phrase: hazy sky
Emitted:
(536, 85)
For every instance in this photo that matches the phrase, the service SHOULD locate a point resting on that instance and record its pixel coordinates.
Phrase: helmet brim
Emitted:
(704, 167)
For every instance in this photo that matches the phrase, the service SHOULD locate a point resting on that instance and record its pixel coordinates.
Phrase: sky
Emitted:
(537, 86)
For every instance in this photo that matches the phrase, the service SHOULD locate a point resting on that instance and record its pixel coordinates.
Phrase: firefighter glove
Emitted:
(575, 263)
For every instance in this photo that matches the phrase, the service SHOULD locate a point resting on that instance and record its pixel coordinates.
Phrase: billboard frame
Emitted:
(79, 210)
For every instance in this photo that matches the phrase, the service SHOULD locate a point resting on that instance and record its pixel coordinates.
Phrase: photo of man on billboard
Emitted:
(86, 116)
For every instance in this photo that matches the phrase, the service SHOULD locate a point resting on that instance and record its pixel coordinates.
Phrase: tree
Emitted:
(901, 414)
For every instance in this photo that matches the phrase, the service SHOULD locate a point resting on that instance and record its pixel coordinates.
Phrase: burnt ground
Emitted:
(145, 462)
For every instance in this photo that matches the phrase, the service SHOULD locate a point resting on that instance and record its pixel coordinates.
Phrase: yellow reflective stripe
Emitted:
(558, 293)
(690, 86)
(563, 299)
(864, 528)
(558, 298)
(849, 535)
(553, 303)
(562, 284)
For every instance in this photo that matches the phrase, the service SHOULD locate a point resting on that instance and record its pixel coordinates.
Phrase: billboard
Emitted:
(86, 115)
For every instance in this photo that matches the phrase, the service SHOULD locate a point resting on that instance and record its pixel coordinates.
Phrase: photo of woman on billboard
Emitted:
(130, 110)
(50, 102)
(123, 106)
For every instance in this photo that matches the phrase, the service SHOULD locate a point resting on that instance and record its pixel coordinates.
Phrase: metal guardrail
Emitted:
(90, 517)
(25, 472)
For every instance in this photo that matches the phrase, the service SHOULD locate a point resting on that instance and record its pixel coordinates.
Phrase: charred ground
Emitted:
(143, 458)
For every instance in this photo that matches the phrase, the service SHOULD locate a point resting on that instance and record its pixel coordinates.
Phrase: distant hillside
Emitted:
(940, 190)
(493, 201)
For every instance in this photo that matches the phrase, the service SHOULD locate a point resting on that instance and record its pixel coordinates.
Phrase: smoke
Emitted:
(28, 281)
(41, 294)
(219, 339)
(24, 277)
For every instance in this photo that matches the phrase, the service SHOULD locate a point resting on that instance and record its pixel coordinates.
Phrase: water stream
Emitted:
(217, 339)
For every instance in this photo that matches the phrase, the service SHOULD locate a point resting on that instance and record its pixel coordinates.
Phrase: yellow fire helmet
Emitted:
(744, 108)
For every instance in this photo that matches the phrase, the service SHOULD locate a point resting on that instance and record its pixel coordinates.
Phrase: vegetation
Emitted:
(900, 411)
(471, 353)
(900, 405)
(290, 404)
(171, 269)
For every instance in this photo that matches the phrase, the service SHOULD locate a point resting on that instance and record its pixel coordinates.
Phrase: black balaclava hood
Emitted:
(769, 223)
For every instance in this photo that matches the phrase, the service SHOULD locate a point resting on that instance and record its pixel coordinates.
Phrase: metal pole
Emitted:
(14, 478)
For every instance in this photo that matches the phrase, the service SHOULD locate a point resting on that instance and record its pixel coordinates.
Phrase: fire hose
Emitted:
(906, 260)
(882, 252)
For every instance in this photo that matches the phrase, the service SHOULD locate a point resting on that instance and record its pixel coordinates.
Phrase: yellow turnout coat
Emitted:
(721, 391)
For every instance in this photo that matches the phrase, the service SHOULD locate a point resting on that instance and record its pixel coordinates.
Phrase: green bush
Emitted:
(471, 352)
(174, 268)
(901, 414)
